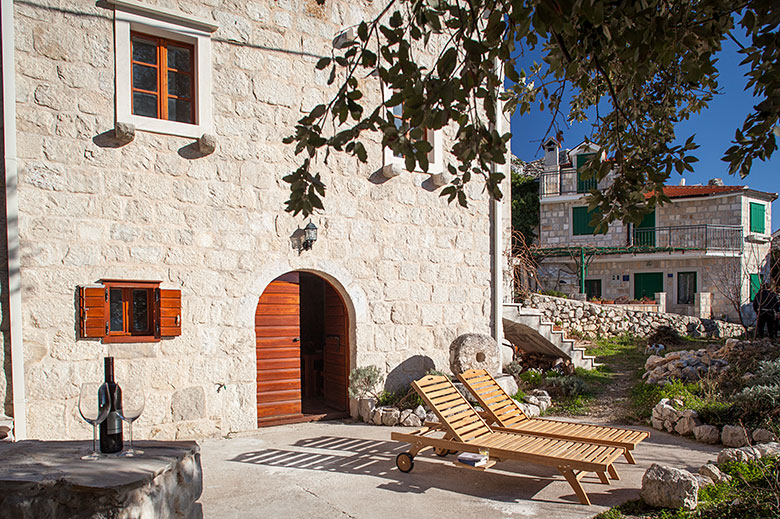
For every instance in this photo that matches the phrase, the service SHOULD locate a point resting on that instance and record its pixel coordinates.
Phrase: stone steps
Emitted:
(533, 334)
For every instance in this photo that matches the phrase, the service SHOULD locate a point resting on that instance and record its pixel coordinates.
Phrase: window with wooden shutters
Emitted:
(129, 311)
(757, 218)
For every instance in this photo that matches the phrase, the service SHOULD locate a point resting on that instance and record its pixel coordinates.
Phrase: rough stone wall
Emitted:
(415, 271)
(600, 320)
(713, 275)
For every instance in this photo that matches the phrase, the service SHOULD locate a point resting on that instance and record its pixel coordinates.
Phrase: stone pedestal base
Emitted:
(49, 480)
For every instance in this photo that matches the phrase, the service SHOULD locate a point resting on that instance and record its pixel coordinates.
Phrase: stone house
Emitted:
(143, 159)
(703, 251)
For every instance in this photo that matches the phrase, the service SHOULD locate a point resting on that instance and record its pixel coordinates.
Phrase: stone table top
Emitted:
(35, 461)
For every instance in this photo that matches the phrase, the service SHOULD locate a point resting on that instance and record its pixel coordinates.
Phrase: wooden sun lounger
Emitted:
(465, 431)
(504, 414)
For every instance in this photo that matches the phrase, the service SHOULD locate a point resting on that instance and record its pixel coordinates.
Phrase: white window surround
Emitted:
(130, 15)
(435, 156)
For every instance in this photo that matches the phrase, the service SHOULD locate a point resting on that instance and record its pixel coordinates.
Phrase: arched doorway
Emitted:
(302, 335)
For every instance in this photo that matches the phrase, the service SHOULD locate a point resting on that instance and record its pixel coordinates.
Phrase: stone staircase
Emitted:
(525, 328)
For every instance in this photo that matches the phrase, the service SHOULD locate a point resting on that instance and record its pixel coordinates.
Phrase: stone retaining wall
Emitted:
(594, 319)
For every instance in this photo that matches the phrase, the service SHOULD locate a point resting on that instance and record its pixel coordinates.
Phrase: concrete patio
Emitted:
(335, 469)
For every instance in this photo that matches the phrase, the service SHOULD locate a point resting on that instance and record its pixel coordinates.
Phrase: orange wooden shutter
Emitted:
(169, 312)
(92, 311)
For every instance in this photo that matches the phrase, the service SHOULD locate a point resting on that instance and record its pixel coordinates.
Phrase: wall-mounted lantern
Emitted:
(309, 236)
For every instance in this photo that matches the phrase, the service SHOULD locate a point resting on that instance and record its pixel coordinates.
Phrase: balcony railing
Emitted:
(688, 237)
(564, 183)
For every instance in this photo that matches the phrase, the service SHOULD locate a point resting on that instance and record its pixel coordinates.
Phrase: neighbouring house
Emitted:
(705, 251)
(145, 220)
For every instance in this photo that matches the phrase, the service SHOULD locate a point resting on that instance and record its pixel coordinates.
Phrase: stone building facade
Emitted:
(105, 194)
(709, 240)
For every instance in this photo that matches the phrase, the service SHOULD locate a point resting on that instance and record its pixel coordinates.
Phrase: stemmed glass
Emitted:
(94, 405)
(133, 401)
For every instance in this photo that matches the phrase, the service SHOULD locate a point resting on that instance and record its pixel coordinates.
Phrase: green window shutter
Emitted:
(755, 284)
(581, 221)
(757, 217)
(584, 185)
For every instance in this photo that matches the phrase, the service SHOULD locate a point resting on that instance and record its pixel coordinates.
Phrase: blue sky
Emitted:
(714, 129)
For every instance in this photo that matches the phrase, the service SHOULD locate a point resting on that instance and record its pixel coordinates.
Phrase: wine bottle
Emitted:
(111, 427)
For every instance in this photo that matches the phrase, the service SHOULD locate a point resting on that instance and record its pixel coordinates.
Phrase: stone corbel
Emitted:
(391, 170)
(207, 143)
(124, 132)
(441, 179)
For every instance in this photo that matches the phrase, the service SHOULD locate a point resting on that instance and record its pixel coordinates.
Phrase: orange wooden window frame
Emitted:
(126, 334)
(162, 75)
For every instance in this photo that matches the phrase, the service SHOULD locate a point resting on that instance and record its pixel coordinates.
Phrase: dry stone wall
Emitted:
(414, 271)
(609, 321)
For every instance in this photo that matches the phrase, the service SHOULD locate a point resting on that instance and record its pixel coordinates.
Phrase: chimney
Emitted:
(715, 182)
(682, 181)
(551, 152)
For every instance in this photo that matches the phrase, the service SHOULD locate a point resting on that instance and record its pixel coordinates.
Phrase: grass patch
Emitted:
(753, 492)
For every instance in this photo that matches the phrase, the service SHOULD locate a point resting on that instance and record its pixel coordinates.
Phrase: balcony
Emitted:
(688, 237)
(564, 183)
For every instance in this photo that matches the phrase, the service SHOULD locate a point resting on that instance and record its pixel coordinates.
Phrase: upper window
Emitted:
(163, 70)
(435, 156)
(757, 217)
(129, 311)
(163, 79)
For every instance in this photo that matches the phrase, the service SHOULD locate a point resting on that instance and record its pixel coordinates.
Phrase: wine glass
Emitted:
(133, 401)
(94, 405)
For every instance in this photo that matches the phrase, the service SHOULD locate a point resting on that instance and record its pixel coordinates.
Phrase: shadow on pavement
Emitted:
(514, 481)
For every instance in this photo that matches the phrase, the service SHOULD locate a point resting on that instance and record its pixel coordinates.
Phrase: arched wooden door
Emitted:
(292, 306)
(278, 330)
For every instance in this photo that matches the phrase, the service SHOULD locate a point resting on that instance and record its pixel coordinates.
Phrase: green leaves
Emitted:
(642, 67)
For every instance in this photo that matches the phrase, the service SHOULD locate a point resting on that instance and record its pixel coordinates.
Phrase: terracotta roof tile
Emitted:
(686, 191)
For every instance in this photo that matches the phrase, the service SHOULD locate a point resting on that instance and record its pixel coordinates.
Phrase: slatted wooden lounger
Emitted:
(504, 414)
(465, 431)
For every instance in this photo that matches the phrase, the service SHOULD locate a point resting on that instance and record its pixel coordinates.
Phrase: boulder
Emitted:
(475, 351)
(391, 416)
(703, 480)
(761, 435)
(768, 449)
(734, 436)
(530, 399)
(657, 423)
(420, 412)
(706, 433)
(711, 471)
(530, 410)
(508, 384)
(366, 408)
(409, 419)
(653, 361)
(431, 417)
(687, 423)
(668, 487)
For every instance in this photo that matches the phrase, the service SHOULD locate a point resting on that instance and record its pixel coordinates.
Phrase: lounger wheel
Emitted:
(404, 462)
(441, 451)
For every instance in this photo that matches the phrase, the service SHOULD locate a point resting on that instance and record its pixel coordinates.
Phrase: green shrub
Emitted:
(554, 293)
(566, 386)
(532, 377)
(363, 382)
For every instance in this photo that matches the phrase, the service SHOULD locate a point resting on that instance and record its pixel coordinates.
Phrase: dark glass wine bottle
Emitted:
(111, 427)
